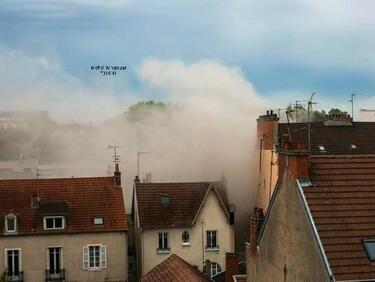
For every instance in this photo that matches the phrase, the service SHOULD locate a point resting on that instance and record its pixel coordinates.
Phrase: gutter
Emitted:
(316, 236)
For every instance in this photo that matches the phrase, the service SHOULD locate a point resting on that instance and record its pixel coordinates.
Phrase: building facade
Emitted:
(191, 220)
(67, 229)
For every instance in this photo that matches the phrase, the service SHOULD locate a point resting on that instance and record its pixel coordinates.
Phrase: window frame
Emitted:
(185, 241)
(211, 246)
(364, 241)
(165, 238)
(54, 227)
(6, 229)
(61, 258)
(19, 259)
(103, 257)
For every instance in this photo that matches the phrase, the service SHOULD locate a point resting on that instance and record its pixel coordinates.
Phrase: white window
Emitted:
(13, 264)
(98, 220)
(55, 262)
(213, 268)
(163, 242)
(10, 223)
(211, 239)
(94, 256)
(185, 238)
(53, 222)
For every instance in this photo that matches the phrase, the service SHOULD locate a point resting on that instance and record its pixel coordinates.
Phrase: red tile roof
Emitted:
(185, 201)
(86, 198)
(342, 203)
(174, 269)
(337, 140)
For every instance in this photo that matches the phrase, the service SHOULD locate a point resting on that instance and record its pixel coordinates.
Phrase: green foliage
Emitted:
(143, 110)
(335, 111)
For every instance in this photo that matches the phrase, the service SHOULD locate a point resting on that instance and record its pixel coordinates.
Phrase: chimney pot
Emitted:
(117, 176)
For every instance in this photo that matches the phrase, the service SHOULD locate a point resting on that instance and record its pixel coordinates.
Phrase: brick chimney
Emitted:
(232, 266)
(136, 179)
(256, 221)
(117, 176)
(341, 119)
(294, 158)
(267, 127)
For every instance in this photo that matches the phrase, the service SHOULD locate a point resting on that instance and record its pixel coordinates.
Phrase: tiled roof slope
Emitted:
(185, 200)
(174, 269)
(87, 198)
(337, 140)
(342, 203)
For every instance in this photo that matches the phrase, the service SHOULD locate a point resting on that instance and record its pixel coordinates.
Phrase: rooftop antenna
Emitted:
(352, 101)
(309, 110)
(116, 157)
(296, 107)
(288, 112)
(138, 156)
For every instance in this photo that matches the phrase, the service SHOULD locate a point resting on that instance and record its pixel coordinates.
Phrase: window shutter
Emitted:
(85, 257)
(103, 256)
(61, 258)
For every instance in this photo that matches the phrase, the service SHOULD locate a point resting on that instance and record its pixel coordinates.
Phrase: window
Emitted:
(185, 238)
(163, 242)
(322, 149)
(55, 261)
(13, 263)
(54, 222)
(98, 220)
(212, 268)
(164, 199)
(211, 236)
(94, 257)
(10, 223)
(370, 248)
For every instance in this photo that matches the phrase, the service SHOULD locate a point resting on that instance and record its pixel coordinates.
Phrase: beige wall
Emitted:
(34, 255)
(211, 217)
(267, 176)
(287, 243)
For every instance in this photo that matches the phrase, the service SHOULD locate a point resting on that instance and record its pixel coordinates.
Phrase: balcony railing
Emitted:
(13, 277)
(55, 277)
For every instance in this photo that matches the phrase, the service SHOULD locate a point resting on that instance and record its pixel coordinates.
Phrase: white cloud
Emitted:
(37, 83)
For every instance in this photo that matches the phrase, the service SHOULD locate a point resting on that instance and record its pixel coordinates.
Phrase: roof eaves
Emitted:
(201, 204)
(315, 233)
(272, 201)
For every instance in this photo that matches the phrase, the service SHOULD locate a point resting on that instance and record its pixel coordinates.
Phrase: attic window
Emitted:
(353, 146)
(98, 220)
(164, 199)
(304, 182)
(10, 223)
(370, 248)
(322, 149)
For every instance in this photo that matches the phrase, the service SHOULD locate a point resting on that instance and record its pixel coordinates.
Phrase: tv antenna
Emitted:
(138, 157)
(352, 102)
(298, 103)
(309, 110)
(116, 157)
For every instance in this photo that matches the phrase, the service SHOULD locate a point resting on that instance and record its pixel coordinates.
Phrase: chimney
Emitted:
(341, 119)
(232, 266)
(136, 179)
(267, 129)
(117, 176)
(293, 158)
(256, 221)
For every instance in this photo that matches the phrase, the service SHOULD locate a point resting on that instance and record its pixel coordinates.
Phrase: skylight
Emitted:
(353, 146)
(370, 248)
(322, 148)
(164, 199)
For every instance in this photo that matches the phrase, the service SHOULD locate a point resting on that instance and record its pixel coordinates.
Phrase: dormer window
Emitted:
(10, 223)
(53, 222)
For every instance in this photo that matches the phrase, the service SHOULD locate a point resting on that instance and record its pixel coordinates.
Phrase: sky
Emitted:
(285, 50)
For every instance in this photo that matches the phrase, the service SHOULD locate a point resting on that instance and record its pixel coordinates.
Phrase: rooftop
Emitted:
(81, 199)
(335, 140)
(342, 202)
(173, 205)
(174, 269)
